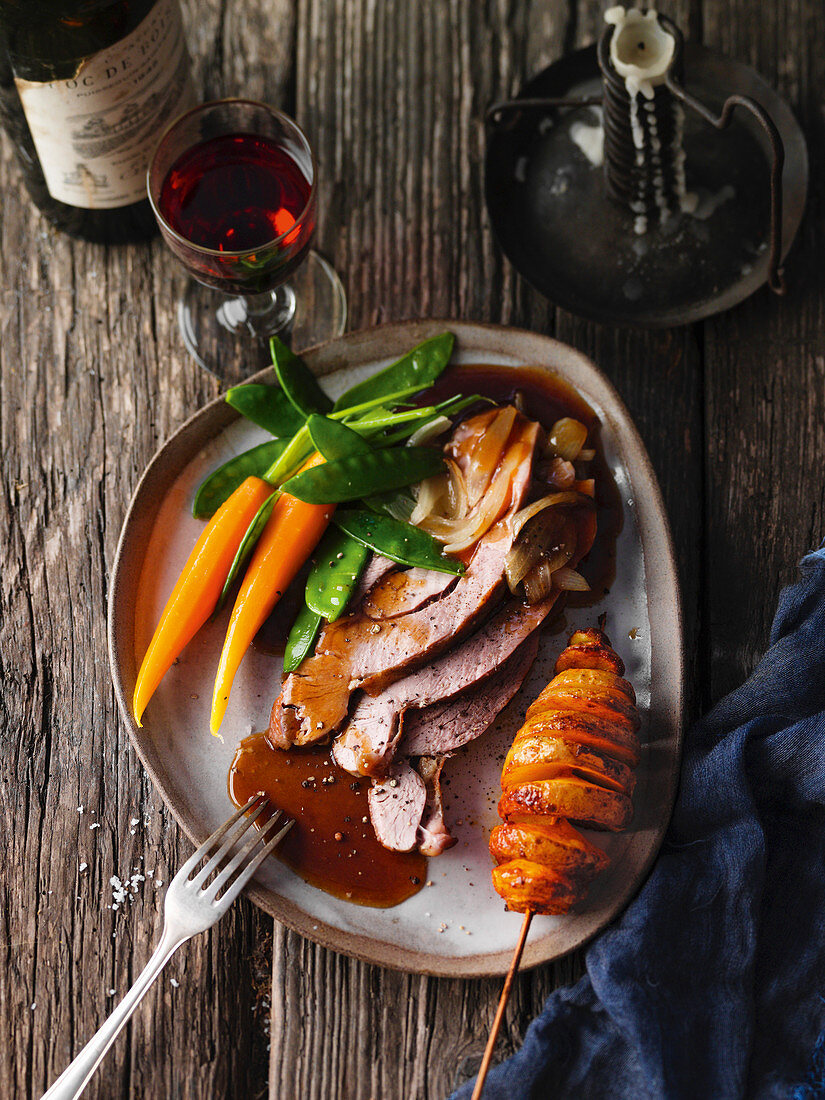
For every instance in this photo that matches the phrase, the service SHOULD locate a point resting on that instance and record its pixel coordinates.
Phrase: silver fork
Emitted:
(189, 908)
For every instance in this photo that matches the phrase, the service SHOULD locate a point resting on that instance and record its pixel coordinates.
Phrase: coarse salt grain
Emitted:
(174, 982)
(118, 892)
(83, 866)
(124, 890)
(95, 825)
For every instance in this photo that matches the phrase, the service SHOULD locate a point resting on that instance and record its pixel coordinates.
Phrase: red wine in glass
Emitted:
(239, 193)
(233, 186)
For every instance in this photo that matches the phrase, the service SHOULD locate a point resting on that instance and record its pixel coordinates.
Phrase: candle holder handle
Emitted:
(776, 272)
(496, 111)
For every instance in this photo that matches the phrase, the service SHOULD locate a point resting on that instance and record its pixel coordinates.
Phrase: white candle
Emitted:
(641, 50)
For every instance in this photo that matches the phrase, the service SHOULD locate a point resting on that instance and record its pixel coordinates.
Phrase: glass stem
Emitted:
(261, 315)
(270, 313)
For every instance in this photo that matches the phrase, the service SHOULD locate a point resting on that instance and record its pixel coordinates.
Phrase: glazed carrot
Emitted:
(290, 536)
(197, 589)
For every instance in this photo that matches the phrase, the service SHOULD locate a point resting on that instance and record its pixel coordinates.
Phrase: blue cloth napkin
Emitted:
(712, 984)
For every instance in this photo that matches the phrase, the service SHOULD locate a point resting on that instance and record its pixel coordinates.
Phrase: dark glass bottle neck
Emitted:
(50, 39)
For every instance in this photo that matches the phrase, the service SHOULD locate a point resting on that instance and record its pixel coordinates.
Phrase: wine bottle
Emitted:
(86, 88)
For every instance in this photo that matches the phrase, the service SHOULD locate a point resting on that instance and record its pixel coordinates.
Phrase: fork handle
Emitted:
(73, 1080)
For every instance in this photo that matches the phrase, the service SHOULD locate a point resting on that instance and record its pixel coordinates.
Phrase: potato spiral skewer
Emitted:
(572, 761)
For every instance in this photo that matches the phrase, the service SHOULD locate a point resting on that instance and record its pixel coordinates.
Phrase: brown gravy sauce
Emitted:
(332, 845)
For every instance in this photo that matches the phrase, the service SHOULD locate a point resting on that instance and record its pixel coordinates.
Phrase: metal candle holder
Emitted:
(644, 169)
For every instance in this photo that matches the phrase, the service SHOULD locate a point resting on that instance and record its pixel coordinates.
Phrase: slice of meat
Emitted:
(396, 805)
(377, 567)
(406, 810)
(368, 741)
(356, 652)
(433, 835)
(401, 592)
(446, 726)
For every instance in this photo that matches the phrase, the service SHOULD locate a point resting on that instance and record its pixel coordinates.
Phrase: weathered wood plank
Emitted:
(92, 378)
(765, 376)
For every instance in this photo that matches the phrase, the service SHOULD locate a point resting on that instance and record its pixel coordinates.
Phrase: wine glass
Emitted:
(233, 187)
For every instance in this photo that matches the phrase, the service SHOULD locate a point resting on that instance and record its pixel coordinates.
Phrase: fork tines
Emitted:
(235, 874)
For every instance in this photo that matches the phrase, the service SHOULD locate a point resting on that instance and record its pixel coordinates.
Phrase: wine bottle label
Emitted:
(94, 133)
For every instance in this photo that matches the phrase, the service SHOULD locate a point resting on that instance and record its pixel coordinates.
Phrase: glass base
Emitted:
(229, 336)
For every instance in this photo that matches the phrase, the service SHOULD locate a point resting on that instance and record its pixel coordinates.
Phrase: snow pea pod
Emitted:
(359, 476)
(399, 541)
(335, 440)
(459, 403)
(253, 533)
(267, 406)
(294, 455)
(419, 367)
(339, 562)
(300, 446)
(297, 380)
(301, 638)
(222, 483)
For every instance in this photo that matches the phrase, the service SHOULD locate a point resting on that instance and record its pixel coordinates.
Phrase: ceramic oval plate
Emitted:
(457, 926)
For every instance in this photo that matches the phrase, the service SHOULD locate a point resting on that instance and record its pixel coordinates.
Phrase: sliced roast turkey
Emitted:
(368, 740)
(396, 806)
(377, 567)
(403, 591)
(445, 726)
(406, 810)
(360, 652)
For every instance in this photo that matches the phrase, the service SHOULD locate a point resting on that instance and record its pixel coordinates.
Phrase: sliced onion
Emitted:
(429, 431)
(538, 583)
(491, 507)
(486, 452)
(567, 437)
(550, 537)
(568, 580)
(456, 491)
(569, 496)
(445, 504)
(400, 507)
(464, 533)
(586, 455)
(430, 491)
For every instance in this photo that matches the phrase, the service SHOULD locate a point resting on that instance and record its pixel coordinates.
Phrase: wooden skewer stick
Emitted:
(502, 1004)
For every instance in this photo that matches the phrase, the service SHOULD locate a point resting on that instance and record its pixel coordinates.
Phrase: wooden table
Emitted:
(93, 378)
